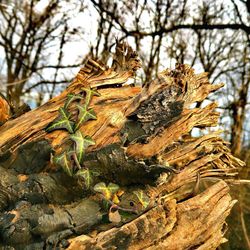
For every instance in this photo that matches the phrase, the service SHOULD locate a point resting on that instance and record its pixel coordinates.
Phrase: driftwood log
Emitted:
(143, 142)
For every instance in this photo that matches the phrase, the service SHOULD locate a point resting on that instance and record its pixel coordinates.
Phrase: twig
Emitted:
(76, 160)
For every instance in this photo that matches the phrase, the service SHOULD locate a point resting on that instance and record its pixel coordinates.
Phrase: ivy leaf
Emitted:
(107, 191)
(84, 115)
(87, 176)
(63, 161)
(89, 93)
(101, 188)
(113, 188)
(143, 198)
(82, 142)
(106, 205)
(71, 98)
(62, 122)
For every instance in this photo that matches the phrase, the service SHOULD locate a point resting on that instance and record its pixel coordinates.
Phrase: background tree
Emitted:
(212, 39)
(33, 37)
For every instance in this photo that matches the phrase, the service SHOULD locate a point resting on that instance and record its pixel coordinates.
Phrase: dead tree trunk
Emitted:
(142, 142)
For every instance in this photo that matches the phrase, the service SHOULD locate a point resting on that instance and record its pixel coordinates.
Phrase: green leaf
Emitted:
(70, 98)
(105, 205)
(84, 115)
(63, 161)
(89, 94)
(101, 188)
(107, 191)
(87, 176)
(62, 122)
(113, 188)
(82, 142)
(142, 197)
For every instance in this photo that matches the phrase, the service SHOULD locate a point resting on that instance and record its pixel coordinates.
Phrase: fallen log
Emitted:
(56, 163)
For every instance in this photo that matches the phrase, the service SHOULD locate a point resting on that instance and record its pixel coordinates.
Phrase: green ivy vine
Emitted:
(71, 159)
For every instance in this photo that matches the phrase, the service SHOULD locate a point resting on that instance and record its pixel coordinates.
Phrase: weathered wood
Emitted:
(142, 142)
(196, 223)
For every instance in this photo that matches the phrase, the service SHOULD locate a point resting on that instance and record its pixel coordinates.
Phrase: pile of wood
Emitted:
(143, 142)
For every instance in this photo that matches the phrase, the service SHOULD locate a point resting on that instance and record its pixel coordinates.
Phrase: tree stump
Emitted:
(138, 140)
